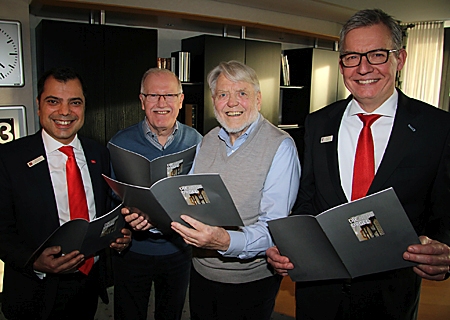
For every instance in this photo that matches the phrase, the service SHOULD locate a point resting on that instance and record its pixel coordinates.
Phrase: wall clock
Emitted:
(11, 67)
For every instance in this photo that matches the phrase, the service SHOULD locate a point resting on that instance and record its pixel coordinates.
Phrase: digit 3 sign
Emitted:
(12, 123)
(6, 130)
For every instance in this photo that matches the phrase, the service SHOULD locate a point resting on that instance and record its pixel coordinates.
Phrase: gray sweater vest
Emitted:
(244, 173)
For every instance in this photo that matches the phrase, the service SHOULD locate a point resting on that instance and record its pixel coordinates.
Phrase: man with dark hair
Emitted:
(410, 152)
(61, 74)
(35, 199)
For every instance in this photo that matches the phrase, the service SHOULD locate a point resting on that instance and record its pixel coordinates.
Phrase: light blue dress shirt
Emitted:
(278, 197)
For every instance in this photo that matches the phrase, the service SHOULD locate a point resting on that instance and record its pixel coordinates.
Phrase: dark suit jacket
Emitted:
(416, 164)
(28, 215)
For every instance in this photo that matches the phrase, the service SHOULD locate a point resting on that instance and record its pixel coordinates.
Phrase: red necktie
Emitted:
(364, 167)
(77, 197)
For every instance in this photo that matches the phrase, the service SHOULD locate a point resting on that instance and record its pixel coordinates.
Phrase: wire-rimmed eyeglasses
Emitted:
(154, 97)
(374, 57)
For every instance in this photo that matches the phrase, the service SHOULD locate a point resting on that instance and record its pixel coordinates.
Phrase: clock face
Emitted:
(11, 70)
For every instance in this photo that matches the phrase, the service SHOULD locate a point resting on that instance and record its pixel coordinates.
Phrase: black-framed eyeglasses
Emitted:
(374, 57)
(154, 97)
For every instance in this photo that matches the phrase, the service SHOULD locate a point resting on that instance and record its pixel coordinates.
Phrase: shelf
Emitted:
(291, 87)
(191, 83)
(289, 126)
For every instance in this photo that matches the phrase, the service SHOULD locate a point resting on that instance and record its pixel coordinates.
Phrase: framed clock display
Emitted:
(11, 66)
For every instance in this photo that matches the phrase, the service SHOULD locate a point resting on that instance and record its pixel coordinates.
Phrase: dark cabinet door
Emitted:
(111, 60)
(208, 51)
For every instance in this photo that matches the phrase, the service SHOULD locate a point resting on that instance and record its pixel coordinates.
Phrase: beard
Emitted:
(252, 118)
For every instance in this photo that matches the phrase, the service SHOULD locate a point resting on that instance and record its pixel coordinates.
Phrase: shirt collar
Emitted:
(51, 145)
(153, 137)
(387, 109)
(148, 131)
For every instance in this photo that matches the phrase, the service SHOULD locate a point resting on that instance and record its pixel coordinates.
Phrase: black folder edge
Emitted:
(163, 203)
(87, 237)
(307, 242)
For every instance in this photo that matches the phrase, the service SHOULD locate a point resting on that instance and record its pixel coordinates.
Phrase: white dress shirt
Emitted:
(348, 135)
(57, 166)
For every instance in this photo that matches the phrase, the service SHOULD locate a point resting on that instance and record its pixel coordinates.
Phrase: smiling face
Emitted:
(161, 115)
(61, 109)
(236, 105)
(371, 85)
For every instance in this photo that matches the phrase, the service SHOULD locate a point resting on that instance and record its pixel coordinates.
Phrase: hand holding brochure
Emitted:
(86, 237)
(201, 196)
(361, 237)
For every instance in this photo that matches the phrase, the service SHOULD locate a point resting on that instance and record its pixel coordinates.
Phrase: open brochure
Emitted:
(84, 236)
(361, 237)
(202, 196)
(133, 168)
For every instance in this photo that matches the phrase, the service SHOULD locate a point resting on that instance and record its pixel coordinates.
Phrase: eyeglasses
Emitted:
(154, 97)
(374, 57)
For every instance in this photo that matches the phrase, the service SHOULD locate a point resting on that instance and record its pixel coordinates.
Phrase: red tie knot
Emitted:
(67, 150)
(368, 119)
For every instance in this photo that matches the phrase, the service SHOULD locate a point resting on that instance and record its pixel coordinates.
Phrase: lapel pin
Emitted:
(93, 161)
(326, 139)
(35, 161)
(412, 128)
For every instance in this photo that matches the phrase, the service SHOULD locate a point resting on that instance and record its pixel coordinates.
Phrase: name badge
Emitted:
(326, 139)
(35, 161)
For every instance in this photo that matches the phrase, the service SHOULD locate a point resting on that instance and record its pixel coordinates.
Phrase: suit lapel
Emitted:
(331, 159)
(40, 176)
(403, 130)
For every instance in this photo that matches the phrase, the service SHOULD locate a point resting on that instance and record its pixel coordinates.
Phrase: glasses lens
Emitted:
(153, 97)
(351, 59)
(170, 97)
(377, 57)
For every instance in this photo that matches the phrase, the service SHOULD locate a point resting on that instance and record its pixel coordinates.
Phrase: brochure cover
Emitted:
(201, 196)
(87, 237)
(132, 168)
(361, 237)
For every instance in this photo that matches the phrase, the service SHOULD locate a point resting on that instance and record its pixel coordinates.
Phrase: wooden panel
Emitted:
(79, 46)
(129, 52)
(285, 301)
(434, 300)
(110, 59)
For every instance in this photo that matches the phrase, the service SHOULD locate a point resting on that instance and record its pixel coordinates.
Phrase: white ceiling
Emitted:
(340, 10)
